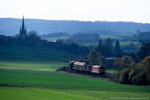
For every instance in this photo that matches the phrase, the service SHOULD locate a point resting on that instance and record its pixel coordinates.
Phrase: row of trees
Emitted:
(106, 48)
(31, 39)
(131, 72)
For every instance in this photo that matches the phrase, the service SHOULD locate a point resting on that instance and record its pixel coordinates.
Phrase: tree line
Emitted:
(32, 39)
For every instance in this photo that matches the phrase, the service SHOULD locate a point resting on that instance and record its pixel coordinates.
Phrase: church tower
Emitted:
(23, 31)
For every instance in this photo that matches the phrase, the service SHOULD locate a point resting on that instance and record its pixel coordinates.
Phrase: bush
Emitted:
(135, 71)
(140, 79)
(117, 76)
(124, 76)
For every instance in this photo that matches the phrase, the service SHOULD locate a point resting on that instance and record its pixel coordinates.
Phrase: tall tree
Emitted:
(117, 48)
(109, 47)
(144, 51)
(122, 63)
(100, 48)
(94, 57)
(146, 65)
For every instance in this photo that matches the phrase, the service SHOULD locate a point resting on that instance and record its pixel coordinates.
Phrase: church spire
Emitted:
(22, 29)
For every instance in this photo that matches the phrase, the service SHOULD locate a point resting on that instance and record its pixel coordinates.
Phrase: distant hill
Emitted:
(11, 26)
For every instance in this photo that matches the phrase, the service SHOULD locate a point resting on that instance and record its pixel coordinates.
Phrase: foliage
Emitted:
(139, 79)
(106, 48)
(144, 35)
(134, 71)
(146, 64)
(33, 40)
(125, 62)
(109, 47)
(137, 74)
(117, 50)
(144, 51)
(94, 57)
(124, 76)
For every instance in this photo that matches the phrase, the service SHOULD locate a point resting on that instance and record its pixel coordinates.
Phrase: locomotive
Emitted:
(85, 66)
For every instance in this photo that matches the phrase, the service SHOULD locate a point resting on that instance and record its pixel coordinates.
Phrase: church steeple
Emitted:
(22, 29)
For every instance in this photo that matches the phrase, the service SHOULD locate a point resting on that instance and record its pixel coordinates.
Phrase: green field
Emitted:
(26, 76)
(115, 36)
(122, 43)
(15, 93)
(56, 38)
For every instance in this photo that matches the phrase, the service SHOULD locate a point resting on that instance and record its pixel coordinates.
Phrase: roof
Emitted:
(79, 63)
(95, 66)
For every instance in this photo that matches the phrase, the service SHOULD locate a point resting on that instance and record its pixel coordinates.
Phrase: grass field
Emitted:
(115, 36)
(32, 54)
(36, 78)
(48, 85)
(56, 38)
(16, 93)
(122, 43)
(42, 66)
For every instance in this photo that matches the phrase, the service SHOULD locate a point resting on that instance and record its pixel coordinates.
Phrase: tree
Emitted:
(144, 51)
(125, 62)
(100, 48)
(117, 48)
(117, 63)
(109, 47)
(146, 65)
(94, 57)
(73, 48)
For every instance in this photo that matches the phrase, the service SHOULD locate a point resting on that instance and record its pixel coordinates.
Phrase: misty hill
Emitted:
(11, 26)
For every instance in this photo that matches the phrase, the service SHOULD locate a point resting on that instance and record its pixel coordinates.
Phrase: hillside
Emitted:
(11, 26)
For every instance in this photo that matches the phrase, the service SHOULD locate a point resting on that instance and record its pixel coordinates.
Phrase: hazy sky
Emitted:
(87, 10)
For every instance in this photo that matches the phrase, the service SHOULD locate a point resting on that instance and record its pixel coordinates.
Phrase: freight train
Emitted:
(85, 66)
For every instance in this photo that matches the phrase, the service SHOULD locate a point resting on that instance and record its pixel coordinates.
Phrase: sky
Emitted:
(83, 10)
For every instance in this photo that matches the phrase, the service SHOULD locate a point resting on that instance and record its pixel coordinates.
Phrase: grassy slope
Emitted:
(31, 54)
(40, 81)
(41, 66)
(61, 80)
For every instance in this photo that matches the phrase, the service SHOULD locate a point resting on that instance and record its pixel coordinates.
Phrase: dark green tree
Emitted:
(117, 48)
(94, 57)
(100, 48)
(144, 51)
(109, 47)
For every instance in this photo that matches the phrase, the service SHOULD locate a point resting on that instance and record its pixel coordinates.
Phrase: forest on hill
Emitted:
(10, 26)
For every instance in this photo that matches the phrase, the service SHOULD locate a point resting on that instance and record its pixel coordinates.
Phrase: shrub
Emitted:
(124, 76)
(140, 79)
(135, 71)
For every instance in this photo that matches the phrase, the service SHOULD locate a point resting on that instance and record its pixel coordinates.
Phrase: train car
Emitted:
(86, 67)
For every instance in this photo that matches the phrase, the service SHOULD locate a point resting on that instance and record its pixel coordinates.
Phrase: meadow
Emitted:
(122, 43)
(103, 36)
(56, 38)
(26, 76)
